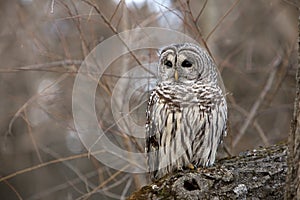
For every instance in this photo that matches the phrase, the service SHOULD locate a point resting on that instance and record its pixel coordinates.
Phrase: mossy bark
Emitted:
(256, 174)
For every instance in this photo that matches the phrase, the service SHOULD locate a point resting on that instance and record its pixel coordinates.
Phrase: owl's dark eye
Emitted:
(168, 63)
(186, 63)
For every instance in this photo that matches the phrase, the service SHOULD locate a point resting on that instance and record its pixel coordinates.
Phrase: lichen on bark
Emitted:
(256, 174)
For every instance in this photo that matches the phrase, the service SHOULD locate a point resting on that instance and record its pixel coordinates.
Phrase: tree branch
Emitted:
(256, 174)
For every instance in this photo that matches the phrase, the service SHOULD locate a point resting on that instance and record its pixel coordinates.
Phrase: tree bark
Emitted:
(293, 177)
(256, 174)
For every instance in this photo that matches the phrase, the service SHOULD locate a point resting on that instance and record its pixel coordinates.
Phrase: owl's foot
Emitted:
(187, 168)
(191, 166)
(180, 169)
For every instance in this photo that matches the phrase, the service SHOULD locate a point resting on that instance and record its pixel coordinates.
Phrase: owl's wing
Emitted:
(223, 121)
(217, 128)
(151, 134)
(149, 122)
(207, 140)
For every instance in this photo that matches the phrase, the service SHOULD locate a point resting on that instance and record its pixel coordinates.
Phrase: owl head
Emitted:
(185, 63)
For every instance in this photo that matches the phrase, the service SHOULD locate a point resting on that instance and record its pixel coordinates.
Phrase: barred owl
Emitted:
(187, 111)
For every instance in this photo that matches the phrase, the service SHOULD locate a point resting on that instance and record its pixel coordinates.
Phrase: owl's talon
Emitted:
(179, 169)
(191, 166)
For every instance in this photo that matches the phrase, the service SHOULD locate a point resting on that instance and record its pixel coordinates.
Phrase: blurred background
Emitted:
(43, 43)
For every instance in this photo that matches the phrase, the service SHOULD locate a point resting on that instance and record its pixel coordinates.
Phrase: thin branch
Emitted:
(33, 140)
(276, 63)
(59, 160)
(13, 189)
(201, 11)
(31, 100)
(81, 176)
(63, 41)
(42, 66)
(115, 11)
(76, 21)
(255, 123)
(126, 188)
(106, 21)
(87, 195)
(113, 124)
(63, 186)
(222, 18)
(203, 41)
(292, 3)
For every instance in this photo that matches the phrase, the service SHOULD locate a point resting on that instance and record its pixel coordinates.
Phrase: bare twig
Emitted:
(33, 140)
(126, 188)
(81, 176)
(255, 123)
(31, 100)
(295, 4)
(77, 22)
(87, 195)
(276, 63)
(73, 182)
(107, 22)
(222, 18)
(115, 11)
(58, 160)
(42, 66)
(203, 41)
(112, 125)
(13, 189)
(201, 11)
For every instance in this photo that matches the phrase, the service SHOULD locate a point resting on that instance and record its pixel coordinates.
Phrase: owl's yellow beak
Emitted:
(176, 75)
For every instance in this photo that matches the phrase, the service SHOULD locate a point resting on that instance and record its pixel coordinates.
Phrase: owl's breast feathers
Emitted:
(172, 98)
(177, 97)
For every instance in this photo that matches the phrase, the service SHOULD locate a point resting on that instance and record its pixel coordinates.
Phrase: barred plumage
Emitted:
(187, 111)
